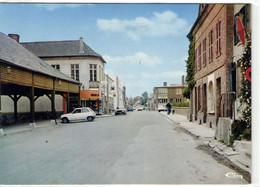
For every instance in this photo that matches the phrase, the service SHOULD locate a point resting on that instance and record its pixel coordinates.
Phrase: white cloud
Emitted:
(161, 24)
(51, 7)
(137, 58)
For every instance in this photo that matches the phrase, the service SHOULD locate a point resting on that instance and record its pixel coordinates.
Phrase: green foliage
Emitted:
(190, 70)
(144, 98)
(242, 129)
(184, 104)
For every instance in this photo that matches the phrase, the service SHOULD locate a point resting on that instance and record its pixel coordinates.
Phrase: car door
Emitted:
(76, 115)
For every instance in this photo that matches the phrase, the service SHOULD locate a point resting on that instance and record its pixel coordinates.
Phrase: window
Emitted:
(178, 100)
(178, 91)
(162, 100)
(204, 61)
(75, 71)
(93, 72)
(56, 66)
(195, 63)
(199, 61)
(211, 46)
(218, 37)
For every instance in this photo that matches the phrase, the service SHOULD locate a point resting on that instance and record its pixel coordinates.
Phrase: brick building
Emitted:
(213, 35)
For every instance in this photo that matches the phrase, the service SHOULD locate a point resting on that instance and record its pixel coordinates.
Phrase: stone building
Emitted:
(218, 46)
(78, 61)
(119, 92)
(25, 79)
(213, 35)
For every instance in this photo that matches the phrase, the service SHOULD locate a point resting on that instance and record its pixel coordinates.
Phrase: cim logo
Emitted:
(234, 175)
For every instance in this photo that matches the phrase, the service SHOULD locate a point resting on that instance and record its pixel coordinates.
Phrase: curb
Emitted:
(226, 160)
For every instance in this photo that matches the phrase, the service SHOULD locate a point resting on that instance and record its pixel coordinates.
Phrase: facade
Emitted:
(151, 103)
(119, 92)
(108, 89)
(213, 35)
(25, 80)
(241, 14)
(219, 34)
(78, 61)
(165, 94)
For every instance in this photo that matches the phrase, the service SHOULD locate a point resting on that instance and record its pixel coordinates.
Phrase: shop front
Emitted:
(92, 99)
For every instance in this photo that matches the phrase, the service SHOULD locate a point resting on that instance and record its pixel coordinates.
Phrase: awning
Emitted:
(90, 94)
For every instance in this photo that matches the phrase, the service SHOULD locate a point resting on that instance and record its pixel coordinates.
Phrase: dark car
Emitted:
(130, 108)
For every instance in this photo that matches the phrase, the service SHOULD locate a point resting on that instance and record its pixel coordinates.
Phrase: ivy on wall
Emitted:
(190, 70)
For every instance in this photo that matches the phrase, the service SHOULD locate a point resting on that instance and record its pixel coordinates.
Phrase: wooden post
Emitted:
(53, 101)
(68, 102)
(79, 98)
(32, 104)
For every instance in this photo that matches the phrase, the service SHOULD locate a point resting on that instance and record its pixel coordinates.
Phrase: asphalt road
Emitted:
(136, 148)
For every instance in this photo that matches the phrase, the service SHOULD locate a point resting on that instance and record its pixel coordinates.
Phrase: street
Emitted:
(140, 147)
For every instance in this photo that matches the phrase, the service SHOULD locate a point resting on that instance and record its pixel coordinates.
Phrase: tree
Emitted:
(144, 98)
(190, 70)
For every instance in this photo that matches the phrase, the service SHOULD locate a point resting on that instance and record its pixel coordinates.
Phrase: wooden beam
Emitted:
(36, 97)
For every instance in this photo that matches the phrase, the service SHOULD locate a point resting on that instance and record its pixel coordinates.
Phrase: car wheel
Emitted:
(65, 120)
(90, 118)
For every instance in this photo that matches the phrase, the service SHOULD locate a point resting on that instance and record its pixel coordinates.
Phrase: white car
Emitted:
(79, 114)
(120, 111)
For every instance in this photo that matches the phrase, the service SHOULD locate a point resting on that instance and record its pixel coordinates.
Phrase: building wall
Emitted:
(207, 94)
(84, 68)
(118, 91)
(42, 104)
(166, 94)
(237, 52)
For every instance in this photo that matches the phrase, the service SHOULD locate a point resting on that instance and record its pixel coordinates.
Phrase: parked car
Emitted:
(120, 111)
(140, 109)
(130, 108)
(79, 114)
(162, 108)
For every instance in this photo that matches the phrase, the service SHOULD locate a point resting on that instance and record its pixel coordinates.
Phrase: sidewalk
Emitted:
(238, 159)
(25, 126)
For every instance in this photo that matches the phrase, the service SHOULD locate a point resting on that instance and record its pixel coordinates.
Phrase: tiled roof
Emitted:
(13, 53)
(60, 49)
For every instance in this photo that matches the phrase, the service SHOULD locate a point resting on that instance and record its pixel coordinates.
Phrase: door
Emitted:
(204, 103)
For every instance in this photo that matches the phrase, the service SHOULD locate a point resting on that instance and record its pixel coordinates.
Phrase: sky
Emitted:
(143, 44)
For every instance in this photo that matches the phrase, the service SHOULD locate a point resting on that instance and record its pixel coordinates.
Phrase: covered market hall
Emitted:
(22, 74)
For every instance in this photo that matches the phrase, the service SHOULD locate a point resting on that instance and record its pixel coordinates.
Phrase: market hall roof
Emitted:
(70, 48)
(13, 53)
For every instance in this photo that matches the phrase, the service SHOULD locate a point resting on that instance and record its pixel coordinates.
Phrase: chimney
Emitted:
(81, 45)
(16, 37)
(164, 83)
(183, 80)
